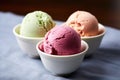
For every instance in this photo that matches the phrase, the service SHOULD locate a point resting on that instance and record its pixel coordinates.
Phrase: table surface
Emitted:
(104, 64)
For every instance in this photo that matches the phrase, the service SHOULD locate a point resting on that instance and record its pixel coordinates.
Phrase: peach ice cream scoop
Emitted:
(84, 23)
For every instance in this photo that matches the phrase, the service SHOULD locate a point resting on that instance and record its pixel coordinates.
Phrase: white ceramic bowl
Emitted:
(94, 41)
(27, 44)
(58, 64)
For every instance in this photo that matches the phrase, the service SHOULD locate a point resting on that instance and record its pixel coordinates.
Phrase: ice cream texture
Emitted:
(84, 23)
(36, 24)
(61, 40)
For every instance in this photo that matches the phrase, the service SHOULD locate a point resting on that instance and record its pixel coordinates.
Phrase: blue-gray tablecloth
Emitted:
(104, 64)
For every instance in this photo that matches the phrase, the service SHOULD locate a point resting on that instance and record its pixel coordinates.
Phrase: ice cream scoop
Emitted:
(32, 30)
(84, 23)
(36, 24)
(62, 50)
(61, 40)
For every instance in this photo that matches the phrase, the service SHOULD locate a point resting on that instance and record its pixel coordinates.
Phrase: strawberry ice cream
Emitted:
(84, 23)
(61, 40)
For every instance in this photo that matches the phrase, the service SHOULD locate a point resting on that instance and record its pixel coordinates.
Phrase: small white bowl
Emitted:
(62, 64)
(94, 41)
(27, 44)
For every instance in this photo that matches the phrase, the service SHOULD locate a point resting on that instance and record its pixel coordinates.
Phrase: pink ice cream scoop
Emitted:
(61, 40)
(84, 23)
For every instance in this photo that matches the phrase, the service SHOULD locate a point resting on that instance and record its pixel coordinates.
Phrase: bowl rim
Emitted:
(18, 35)
(63, 56)
(101, 34)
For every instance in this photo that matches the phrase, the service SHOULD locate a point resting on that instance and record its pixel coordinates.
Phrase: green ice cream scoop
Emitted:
(36, 24)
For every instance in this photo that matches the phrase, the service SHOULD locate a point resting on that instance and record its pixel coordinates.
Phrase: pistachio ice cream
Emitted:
(36, 24)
